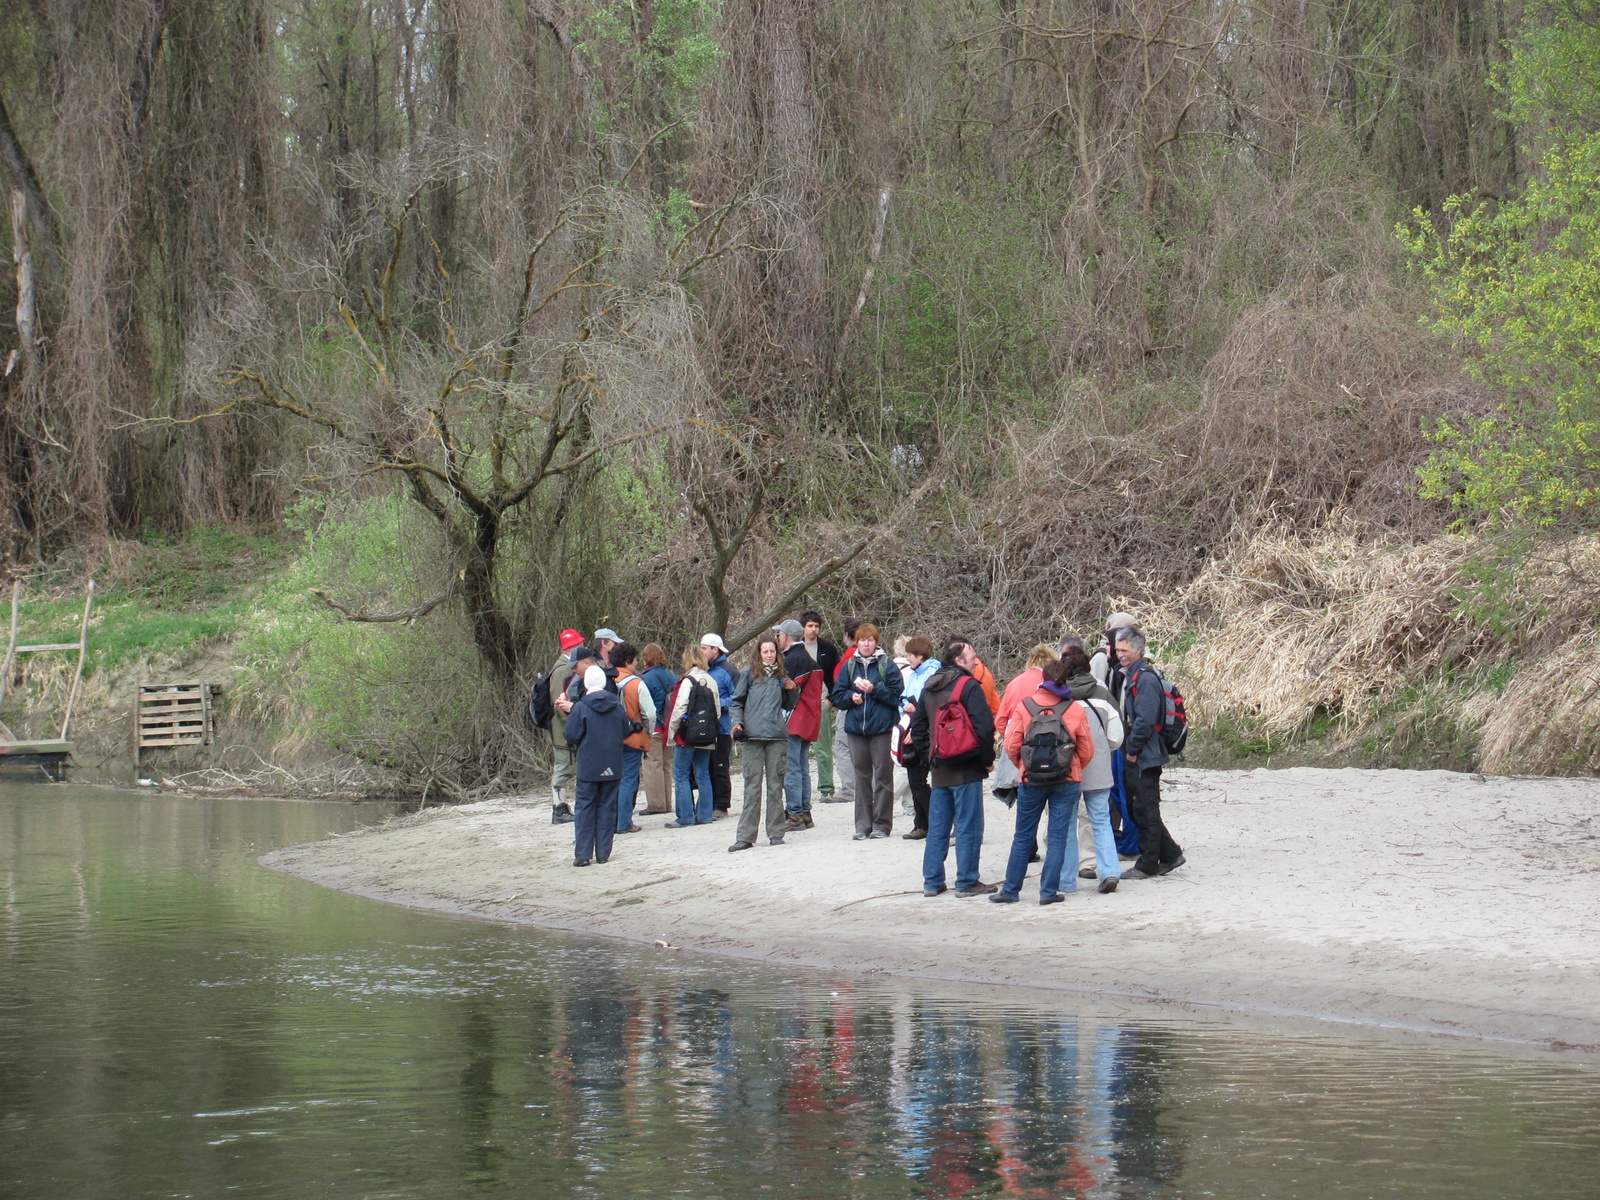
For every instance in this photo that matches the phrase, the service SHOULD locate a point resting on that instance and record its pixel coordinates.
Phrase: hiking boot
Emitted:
(606, 859)
(1168, 868)
(1087, 872)
(580, 862)
(793, 822)
(997, 898)
(632, 829)
(1135, 873)
(979, 889)
(935, 891)
(1034, 857)
(916, 835)
(808, 822)
(720, 814)
(1107, 885)
(678, 825)
(1056, 898)
(737, 846)
(777, 841)
(561, 814)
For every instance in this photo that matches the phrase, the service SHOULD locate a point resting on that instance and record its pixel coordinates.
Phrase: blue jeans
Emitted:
(1062, 845)
(797, 777)
(1098, 806)
(628, 794)
(692, 810)
(961, 808)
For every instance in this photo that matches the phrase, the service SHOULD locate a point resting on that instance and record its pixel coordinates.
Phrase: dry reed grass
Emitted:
(1397, 640)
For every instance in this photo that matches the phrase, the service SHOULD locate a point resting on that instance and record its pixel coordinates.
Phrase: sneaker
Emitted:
(880, 833)
(997, 898)
(979, 889)
(678, 825)
(916, 835)
(860, 837)
(561, 814)
(580, 862)
(935, 891)
(737, 846)
(1135, 873)
(720, 814)
(1055, 899)
(1107, 885)
(1087, 872)
(778, 841)
(632, 829)
(1168, 868)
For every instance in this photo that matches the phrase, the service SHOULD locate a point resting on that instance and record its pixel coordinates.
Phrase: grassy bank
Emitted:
(1337, 647)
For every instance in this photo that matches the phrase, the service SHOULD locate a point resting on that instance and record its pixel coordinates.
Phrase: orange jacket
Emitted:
(985, 678)
(630, 705)
(1077, 725)
(1023, 685)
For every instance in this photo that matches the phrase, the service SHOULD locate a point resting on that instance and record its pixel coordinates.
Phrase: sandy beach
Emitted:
(1429, 900)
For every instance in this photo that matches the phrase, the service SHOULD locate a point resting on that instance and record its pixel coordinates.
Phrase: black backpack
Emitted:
(541, 711)
(700, 726)
(1047, 747)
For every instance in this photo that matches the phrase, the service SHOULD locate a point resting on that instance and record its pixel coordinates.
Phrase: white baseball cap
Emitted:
(714, 641)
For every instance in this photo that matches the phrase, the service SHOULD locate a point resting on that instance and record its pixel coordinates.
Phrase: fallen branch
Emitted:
(407, 616)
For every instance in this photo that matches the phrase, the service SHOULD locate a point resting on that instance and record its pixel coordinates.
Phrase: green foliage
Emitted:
(668, 52)
(1520, 281)
(394, 694)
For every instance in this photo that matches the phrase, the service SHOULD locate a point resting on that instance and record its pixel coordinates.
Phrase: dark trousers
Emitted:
(920, 791)
(1144, 806)
(595, 818)
(721, 777)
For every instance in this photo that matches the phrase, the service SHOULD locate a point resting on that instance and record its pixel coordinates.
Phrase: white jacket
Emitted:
(680, 702)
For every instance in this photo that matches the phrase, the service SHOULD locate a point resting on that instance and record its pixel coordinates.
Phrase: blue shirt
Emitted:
(725, 685)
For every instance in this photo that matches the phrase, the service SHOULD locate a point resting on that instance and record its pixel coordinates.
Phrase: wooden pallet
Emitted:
(173, 714)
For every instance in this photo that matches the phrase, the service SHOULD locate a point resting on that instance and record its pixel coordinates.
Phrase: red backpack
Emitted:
(953, 735)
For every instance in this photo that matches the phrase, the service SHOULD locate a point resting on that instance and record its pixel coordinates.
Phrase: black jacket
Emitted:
(827, 659)
(935, 693)
(1142, 705)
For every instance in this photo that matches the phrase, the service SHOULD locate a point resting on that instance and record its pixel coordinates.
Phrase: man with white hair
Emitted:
(595, 730)
(1145, 753)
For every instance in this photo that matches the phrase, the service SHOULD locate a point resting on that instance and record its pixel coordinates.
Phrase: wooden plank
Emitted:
(191, 741)
(41, 646)
(39, 746)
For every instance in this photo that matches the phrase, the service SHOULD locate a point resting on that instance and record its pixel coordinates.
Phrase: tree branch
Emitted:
(407, 616)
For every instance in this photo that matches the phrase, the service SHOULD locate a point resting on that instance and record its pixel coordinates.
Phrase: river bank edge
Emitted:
(1322, 913)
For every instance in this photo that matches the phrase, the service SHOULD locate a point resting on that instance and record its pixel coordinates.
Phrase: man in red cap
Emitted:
(561, 770)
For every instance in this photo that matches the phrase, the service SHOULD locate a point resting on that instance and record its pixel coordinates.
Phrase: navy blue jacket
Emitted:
(879, 712)
(595, 729)
(725, 685)
(1142, 706)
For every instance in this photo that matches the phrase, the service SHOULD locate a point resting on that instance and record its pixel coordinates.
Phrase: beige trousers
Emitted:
(656, 772)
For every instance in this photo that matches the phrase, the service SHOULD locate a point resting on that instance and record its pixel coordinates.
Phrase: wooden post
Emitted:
(77, 676)
(11, 650)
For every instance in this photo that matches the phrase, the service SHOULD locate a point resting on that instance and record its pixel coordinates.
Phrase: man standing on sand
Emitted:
(808, 716)
(956, 801)
(841, 770)
(596, 729)
(640, 708)
(561, 768)
(824, 656)
(1144, 754)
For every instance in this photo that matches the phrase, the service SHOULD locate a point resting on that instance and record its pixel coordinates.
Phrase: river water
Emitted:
(177, 1021)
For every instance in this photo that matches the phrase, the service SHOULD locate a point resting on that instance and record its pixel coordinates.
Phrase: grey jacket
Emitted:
(762, 706)
(1142, 703)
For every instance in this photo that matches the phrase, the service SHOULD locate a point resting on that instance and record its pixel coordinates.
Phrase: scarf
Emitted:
(1059, 690)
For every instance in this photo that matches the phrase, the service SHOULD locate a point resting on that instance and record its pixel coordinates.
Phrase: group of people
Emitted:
(1074, 725)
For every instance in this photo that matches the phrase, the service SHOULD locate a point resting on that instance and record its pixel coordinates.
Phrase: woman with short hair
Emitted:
(868, 690)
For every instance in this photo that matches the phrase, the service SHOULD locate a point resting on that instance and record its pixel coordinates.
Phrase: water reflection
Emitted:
(174, 1020)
